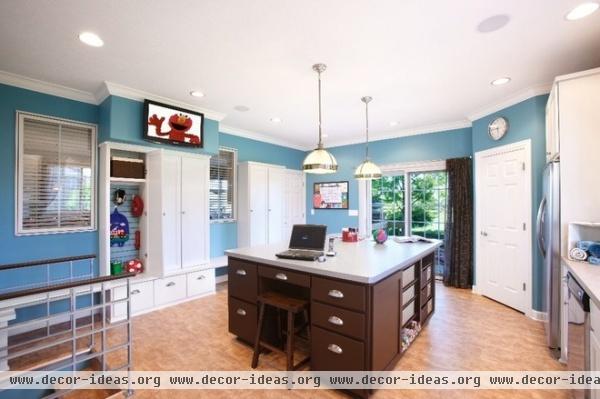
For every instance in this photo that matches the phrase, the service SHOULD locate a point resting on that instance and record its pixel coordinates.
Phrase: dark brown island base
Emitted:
(365, 303)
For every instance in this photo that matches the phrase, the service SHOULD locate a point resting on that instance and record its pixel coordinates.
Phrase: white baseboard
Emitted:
(221, 279)
(537, 315)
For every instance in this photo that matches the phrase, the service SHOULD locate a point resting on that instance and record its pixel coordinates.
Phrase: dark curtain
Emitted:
(458, 245)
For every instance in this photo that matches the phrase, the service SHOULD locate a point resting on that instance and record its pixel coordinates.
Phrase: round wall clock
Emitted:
(498, 128)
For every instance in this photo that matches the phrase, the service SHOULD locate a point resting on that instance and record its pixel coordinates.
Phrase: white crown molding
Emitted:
(438, 127)
(260, 137)
(115, 89)
(53, 89)
(523, 95)
(110, 88)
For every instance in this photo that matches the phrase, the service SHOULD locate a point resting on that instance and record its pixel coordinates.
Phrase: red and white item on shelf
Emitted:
(349, 234)
(134, 266)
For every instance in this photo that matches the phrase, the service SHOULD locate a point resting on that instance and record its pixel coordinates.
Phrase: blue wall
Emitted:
(24, 248)
(224, 235)
(527, 121)
(424, 147)
(122, 121)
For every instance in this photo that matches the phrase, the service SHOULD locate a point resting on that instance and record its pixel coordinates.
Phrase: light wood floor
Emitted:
(467, 332)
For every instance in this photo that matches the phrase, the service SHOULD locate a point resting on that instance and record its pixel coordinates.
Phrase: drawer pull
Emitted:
(241, 312)
(335, 294)
(135, 292)
(335, 349)
(335, 321)
(281, 276)
(200, 277)
(170, 284)
(241, 272)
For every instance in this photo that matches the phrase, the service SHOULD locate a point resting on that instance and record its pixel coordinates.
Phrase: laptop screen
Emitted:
(308, 236)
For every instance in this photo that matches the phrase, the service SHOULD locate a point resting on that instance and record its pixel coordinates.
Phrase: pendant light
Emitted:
(320, 161)
(367, 170)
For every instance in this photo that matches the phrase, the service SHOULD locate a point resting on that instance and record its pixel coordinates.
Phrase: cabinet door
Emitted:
(295, 201)
(194, 212)
(552, 134)
(257, 187)
(594, 361)
(276, 201)
(171, 213)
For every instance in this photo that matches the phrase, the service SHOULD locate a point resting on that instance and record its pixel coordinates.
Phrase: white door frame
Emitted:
(526, 145)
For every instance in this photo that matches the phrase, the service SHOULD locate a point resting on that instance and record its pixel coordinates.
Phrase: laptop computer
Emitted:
(306, 243)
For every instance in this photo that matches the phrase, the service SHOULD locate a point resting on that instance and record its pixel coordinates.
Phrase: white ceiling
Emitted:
(423, 62)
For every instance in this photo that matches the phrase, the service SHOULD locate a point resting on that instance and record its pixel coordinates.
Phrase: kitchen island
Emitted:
(363, 301)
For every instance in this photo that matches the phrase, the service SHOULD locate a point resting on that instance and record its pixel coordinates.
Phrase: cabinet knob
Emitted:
(281, 276)
(183, 212)
(164, 214)
(335, 349)
(241, 312)
(336, 294)
(335, 321)
(241, 272)
(201, 277)
(170, 284)
(134, 292)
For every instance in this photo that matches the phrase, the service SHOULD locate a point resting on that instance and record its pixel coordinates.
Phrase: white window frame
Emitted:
(19, 126)
(232, 219)
(396, 169)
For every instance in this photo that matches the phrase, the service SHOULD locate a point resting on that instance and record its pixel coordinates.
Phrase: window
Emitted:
(411, 200)
(56, 175)
(222, 185)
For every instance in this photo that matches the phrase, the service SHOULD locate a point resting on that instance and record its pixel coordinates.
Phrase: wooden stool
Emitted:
(292, 306)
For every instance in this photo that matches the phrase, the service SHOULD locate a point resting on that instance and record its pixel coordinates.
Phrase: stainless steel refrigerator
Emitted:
(548, 239)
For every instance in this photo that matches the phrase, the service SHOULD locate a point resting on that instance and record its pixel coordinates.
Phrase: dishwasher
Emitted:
(578, 332)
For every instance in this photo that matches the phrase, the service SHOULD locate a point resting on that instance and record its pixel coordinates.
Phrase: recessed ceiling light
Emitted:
(275, 119)
(196, 93)
(500, 81)
(241, 108)
(493, 23)
(393, 123)
(91, 39)
(582, 11)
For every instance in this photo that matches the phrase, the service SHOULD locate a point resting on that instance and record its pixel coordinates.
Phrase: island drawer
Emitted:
(426, 275)
(428, 260)
(242, 280)
(339, 320)
(334, 352)
(408, 294)
(425, 293)
(242, 319)
(408, 275)
(408, 312)
(285, 275)
(426, 310)
(339, 293)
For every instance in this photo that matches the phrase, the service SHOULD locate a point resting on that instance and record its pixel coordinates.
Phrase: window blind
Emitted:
(56, 162)
(222, 175)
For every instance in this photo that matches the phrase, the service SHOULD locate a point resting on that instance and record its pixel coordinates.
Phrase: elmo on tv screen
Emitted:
(174, 125)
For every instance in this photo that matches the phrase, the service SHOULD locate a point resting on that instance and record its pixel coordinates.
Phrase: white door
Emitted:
(193, 211)
(295, 201)
(503, 206)
(257, 187)
(276, 204)
(171, 213)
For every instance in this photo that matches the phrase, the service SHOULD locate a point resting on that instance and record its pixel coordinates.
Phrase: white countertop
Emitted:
(363, 261)
(587, 275)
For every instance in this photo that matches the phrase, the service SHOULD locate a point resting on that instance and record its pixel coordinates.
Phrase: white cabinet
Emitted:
(261, 203)
(552, 136)
(177, 209)
(594, 344)
(295, 201)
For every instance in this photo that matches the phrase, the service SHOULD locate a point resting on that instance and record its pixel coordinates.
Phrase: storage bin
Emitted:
(130, 168)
